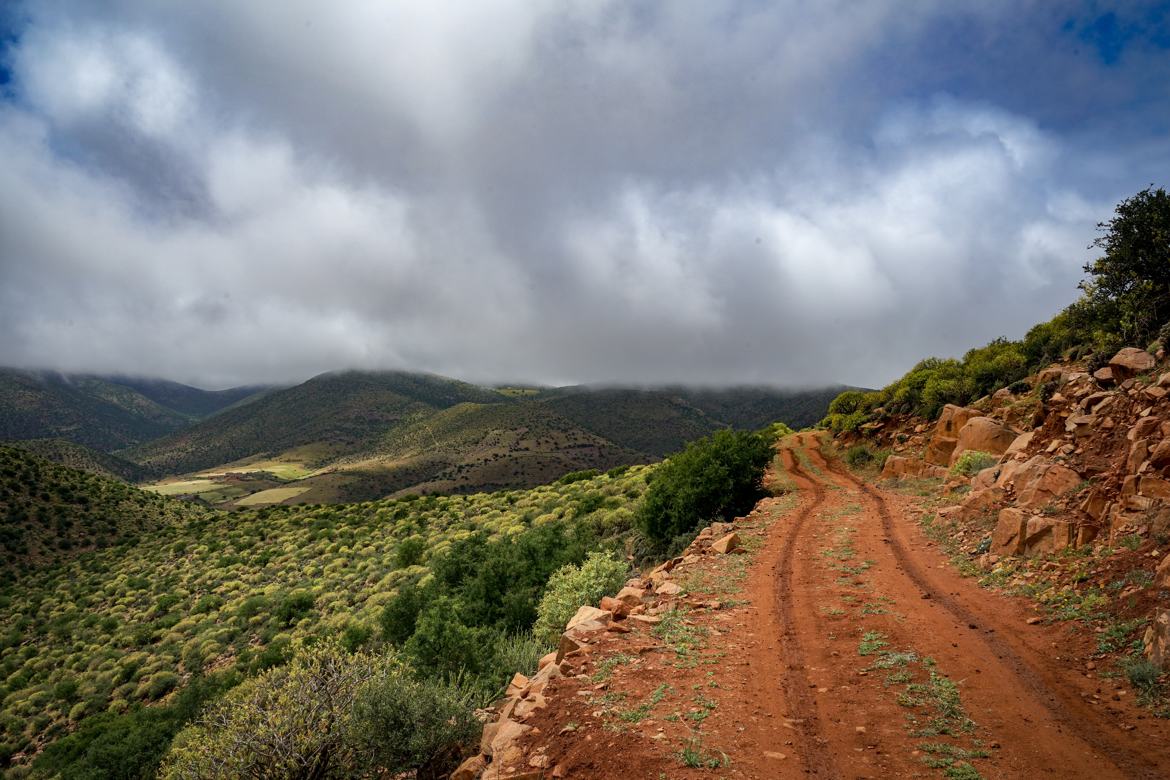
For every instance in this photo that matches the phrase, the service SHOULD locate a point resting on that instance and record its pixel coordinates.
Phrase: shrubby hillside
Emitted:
(78, 456)
(50, 512)
(104, 413)
(122, 628)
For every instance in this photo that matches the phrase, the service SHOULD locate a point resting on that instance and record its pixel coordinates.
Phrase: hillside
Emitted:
(235, 595)
(83, 458)
(356, 436)
(330, 416)
(184, 399)
(50, 513)
(104, 413)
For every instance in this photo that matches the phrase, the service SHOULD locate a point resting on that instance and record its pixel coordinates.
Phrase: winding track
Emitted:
(1027, 701)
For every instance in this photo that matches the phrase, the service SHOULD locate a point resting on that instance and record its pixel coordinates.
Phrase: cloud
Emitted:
(714, 192)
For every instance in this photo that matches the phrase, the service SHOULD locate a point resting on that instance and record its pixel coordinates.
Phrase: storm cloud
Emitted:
(579, 191)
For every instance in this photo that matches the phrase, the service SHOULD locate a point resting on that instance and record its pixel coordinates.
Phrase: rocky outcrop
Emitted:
(946, 434)
(1130, 362)
(1156, 642)
(983, 434)
(501, 755)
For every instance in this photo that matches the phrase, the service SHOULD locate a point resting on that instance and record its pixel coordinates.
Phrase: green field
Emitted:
(271, 496)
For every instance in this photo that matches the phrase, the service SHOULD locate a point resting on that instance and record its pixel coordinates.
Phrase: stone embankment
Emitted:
(1079, 459)
(510, 745)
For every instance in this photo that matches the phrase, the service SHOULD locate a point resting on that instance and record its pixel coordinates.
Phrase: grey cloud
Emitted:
(565, 192)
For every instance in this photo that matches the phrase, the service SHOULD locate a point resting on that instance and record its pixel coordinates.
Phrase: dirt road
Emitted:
(850, 563)
(854, 650)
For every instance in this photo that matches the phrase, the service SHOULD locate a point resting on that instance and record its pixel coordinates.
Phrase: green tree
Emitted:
(716, 477)
(1130, 281)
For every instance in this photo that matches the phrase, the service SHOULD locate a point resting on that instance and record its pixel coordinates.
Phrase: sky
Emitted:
(715, 192)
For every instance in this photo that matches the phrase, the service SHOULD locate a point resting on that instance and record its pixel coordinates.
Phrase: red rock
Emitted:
(1009, 533)
(1154, 487)
(1143, 428)
(982, 434)
(1156, 642)
(1162, 575)
(668, 589)
(519, 683)
(1104, 375)
(1160, 456)
(631, 596)
(1138, 451)
(1130, 362)
(727, 544)
(470, 769)
(546, 660)
(588, 614)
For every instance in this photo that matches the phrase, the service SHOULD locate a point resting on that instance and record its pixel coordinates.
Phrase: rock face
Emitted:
(1157, 639)
(1129, 362)
(1038, 481)
(897, 466)
(1019, 533)
(946, 434)
(982, 434)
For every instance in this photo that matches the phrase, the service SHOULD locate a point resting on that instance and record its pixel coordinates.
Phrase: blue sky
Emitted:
(717, 191)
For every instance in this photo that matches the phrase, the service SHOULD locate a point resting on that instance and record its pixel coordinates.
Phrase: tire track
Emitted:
(816, 758)
(1046, 688)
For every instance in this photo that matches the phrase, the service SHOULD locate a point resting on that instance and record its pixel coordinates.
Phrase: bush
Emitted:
(858, 455)
(716, 477)
(972, 462)
(403, 724)
(293, 607)
(573, 586)
(293, 721)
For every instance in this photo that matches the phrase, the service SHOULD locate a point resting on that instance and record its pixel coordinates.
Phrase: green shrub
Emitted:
(161, 683)
(292, 721)
(578, 476)
(401, 724)
(573, 586)
(859, 455)
(717, 477)
(972, 462)
(293, 607)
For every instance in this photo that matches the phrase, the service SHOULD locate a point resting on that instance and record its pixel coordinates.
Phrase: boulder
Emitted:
(1154, 487)
(1019, 444)
(619, 609)
(1010, 529)
(1079, 424)
(1095, 505)
(1143, 428)
(518, 683)
(946, 434)
(983, 434)
(1129, 362)
(1160, 455)
(726, 544)
(470, 769)
(668, 589)
(1053, 373)
(1043, 535)
(1156, 642)
(1138, 451)
(985, 479)
(545, 660)
(1038, 482)
(1162, 575)
(503, 746)
(1104, 376)
(631, 596)
(588, 614)
(982, 499)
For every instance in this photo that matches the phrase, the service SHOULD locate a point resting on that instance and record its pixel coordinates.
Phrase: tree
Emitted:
(1130, 284)
(718, 476)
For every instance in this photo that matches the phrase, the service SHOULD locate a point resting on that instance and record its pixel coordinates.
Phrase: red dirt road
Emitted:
(853, 650)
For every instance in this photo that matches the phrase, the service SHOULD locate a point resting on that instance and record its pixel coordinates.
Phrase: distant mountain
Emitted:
(78, 456)
(191, 401)
(50, 512)
(332, 415)
(100, 412)
(353, 435)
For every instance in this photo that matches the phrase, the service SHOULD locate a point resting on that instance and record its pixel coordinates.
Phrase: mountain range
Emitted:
(360, 435)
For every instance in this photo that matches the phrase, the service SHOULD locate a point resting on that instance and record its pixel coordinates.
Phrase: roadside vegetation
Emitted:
(209, 618)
